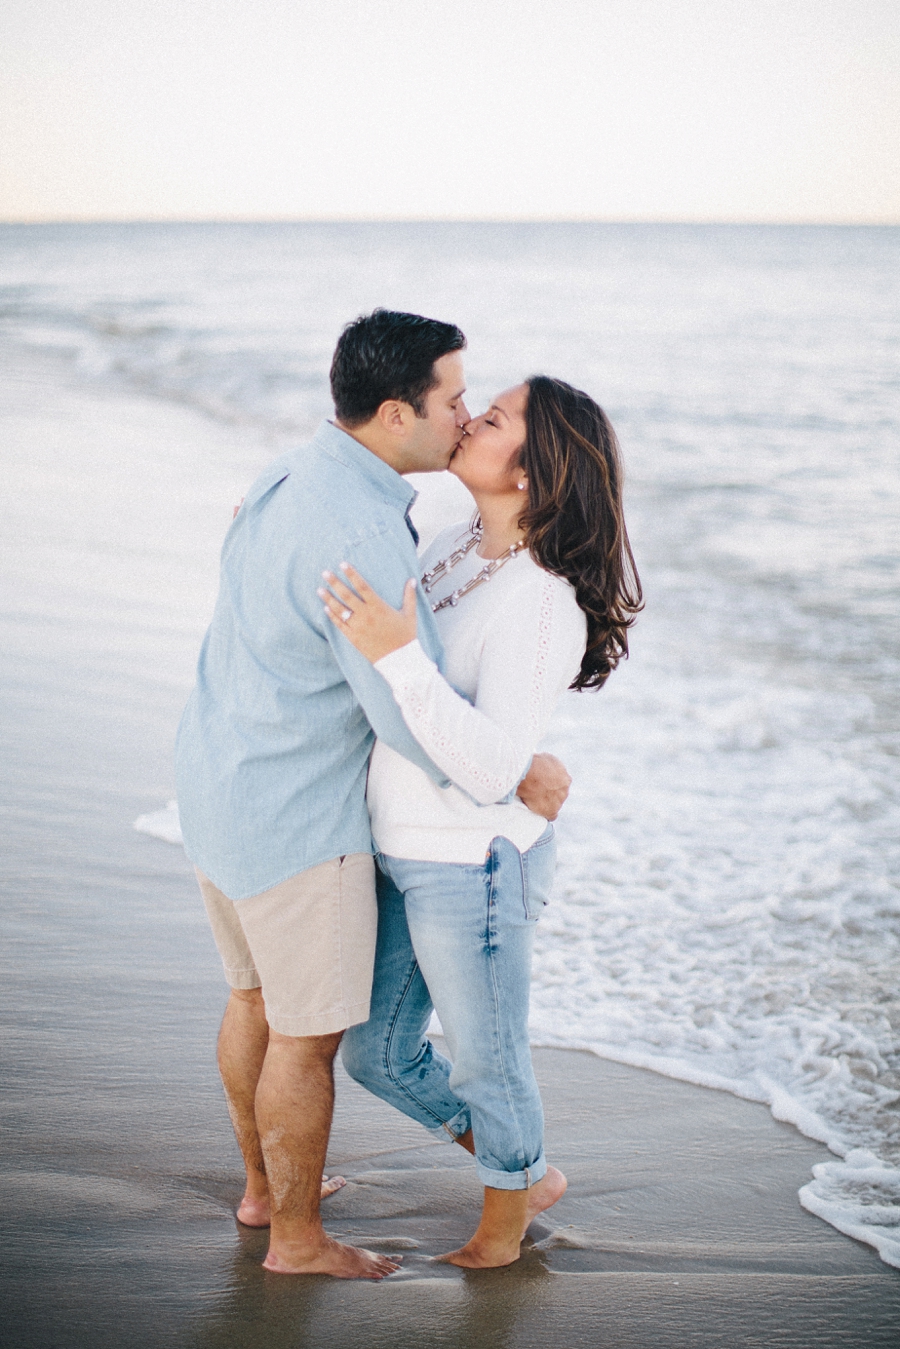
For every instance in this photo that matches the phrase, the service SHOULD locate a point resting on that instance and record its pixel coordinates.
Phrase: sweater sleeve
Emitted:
(529, 657)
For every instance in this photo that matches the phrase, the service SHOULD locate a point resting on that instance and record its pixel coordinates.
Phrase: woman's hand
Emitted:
(365, 619)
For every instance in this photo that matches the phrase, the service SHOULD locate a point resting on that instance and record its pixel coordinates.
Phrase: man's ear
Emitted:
(392, 416)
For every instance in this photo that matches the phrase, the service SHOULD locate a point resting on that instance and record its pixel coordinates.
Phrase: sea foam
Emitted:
(162, 824)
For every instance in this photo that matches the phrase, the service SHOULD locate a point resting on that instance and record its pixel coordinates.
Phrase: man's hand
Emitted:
(545, 786)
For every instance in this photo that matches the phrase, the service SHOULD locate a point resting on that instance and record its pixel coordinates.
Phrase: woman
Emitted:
(532, 598)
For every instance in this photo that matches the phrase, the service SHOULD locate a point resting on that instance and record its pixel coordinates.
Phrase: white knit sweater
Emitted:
(513, 645)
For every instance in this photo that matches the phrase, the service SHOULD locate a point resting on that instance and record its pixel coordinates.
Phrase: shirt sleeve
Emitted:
(381, 562)
(530, 656)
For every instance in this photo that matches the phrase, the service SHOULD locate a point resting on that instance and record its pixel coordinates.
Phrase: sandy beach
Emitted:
(681, 1226)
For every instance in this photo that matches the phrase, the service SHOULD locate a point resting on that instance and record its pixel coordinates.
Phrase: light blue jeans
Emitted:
(457, 939)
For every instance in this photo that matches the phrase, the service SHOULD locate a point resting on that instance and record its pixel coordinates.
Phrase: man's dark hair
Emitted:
(385, 355)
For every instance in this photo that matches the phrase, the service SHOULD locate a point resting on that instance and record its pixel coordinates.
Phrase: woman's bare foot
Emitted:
(504, 1216)
(504, 1221)
(330, 1257)
(482, 1255)
(254, 1212)
(544, 1195)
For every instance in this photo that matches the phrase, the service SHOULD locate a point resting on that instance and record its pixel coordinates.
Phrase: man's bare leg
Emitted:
(243, 1041)
(294, 1106)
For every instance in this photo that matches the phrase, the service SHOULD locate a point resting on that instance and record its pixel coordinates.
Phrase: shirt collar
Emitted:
(389, 485)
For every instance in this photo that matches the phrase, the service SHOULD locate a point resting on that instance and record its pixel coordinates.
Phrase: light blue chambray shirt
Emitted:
(274, 742)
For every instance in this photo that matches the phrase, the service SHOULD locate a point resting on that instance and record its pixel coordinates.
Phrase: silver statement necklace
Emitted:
(446, 564)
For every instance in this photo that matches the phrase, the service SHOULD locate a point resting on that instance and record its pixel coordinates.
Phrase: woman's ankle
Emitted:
(466, 1141)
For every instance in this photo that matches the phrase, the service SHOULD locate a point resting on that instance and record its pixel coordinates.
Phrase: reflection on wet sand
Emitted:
(478, 1308)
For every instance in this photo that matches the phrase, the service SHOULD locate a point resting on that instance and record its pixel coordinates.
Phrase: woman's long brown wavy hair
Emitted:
(574, 525)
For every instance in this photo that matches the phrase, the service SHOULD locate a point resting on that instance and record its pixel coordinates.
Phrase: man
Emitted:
(272, 755)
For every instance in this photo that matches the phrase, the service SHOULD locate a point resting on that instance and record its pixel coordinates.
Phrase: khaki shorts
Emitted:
(308, 943)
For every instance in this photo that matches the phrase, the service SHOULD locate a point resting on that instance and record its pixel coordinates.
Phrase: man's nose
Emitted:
(462, 415)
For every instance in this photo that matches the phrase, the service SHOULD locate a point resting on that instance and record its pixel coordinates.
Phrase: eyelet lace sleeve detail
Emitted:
(530, 654)
(544, 636)
(450, 730)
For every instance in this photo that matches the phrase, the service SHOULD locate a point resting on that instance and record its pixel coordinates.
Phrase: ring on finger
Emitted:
(346, 615)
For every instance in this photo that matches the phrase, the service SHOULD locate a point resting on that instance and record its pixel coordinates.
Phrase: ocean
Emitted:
(727, 908)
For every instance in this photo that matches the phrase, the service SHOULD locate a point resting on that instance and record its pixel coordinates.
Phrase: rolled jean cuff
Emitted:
(452, 1129)
(513, 1180)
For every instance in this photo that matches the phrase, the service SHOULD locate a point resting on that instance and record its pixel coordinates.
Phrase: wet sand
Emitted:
(681, 1225)
(119, 1172)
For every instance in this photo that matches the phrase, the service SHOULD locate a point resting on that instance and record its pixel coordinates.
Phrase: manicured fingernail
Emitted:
(327, 575)
(321, 593)
(345, 564)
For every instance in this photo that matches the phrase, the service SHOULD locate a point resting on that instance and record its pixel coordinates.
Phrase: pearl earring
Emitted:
(522, 486)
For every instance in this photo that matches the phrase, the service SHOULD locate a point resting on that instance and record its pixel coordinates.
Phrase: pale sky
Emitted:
(399, 109)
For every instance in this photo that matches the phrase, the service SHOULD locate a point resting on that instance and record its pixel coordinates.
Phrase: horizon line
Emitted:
(338, 219)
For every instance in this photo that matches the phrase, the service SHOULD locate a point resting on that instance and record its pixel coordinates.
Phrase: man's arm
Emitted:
(381, 556)
(545, 786)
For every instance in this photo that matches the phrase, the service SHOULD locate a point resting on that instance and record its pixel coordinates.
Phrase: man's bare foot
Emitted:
(331, 1257)
(544, 1195)
(255, 1212)
(332, 1185)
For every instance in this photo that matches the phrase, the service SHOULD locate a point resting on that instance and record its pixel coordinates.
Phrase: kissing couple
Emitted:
(357, 778)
